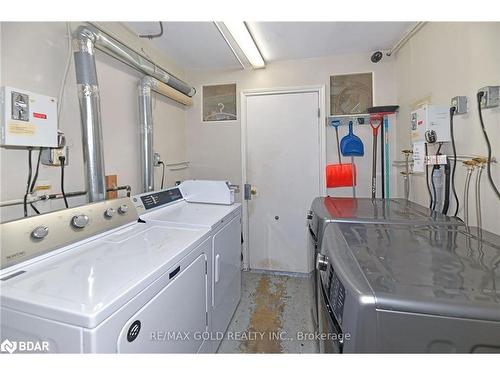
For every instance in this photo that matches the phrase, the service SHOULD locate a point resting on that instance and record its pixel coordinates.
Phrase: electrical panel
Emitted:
(431, 124)
(27, 119)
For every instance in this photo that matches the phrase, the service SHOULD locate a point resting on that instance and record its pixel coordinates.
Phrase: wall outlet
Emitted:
(50, 156)
(460, 104)
(156, 159)
(491, 96)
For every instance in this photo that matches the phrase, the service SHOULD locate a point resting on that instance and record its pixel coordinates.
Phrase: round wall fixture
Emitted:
(376, 57)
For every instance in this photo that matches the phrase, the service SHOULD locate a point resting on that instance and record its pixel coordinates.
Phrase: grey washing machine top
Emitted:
(325, 210)
(355, 210)
(428, 269)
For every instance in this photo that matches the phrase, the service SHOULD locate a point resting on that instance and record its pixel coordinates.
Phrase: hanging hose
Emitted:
(406, 173)
(435, 167)
(434, 194)
(478, 197)
(488, 145)
(470, 168)
(446, 204)
(25, 199)
(452, 112)
(62, 160)
(427, 180)
(162, 173)
(35, 178)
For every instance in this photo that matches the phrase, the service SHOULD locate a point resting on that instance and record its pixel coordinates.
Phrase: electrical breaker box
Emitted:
(430, 123)
(27, 118)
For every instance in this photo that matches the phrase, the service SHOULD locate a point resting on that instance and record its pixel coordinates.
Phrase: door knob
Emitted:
(253, 190)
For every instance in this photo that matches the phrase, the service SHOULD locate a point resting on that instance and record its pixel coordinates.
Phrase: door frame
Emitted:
(320, 89)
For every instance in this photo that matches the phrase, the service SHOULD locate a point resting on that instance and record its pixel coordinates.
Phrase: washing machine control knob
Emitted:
(80, 221)
(40, 232)
(109, 212)
(123, 209)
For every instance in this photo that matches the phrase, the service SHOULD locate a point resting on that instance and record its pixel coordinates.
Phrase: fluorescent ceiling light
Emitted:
(242, 36)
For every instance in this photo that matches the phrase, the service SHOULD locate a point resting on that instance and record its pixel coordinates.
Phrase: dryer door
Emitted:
(175, 319)
(226, 287)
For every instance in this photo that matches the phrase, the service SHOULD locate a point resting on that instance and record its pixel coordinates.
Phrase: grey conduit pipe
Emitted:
(146, 130)
(85, 40)
(109, 45)
(90, 113)
(146, 86)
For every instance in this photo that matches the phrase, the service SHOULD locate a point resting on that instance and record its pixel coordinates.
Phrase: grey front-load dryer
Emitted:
(410, 288)
(327, 210)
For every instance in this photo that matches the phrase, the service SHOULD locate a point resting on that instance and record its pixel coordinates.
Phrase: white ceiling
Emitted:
(199, 45)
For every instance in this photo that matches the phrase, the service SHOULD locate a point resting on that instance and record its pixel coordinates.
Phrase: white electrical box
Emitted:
(431, 124)
(27, 119)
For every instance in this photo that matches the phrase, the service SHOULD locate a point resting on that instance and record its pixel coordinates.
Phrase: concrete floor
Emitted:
(274, 316)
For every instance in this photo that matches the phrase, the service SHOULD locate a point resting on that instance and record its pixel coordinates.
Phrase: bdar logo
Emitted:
(8, 346)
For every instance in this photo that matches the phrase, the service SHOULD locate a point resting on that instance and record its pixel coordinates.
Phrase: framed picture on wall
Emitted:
(219, 103)
(351, 94)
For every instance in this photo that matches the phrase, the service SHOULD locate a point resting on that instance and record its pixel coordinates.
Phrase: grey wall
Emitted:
(33, 57)
(441, 61)
(215, 148)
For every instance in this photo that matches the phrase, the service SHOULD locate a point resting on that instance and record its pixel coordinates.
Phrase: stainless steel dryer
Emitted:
(409, 289)
(326, 210)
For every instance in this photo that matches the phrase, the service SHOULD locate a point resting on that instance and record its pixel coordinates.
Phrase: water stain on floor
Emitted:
(273, 310)
(266, 318)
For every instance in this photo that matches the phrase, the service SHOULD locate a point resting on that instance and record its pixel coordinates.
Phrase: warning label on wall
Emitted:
(21, 129)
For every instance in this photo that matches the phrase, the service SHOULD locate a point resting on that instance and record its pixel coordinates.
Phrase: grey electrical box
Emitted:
(460, 104)
(491, 96)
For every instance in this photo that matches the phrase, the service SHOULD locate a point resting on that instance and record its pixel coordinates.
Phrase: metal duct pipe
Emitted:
(127, 55)
(85, 40)
(145, 88)
(90, 112)
(146, 130)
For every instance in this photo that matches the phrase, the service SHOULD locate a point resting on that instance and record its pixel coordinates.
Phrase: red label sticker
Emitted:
(40, 115)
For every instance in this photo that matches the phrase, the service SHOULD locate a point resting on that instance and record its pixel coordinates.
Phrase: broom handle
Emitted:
(338, 144)
(374, 166)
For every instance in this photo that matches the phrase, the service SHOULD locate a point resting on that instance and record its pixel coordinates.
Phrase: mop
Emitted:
(378, 115)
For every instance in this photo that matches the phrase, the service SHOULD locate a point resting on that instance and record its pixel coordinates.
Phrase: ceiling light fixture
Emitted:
(241, 35)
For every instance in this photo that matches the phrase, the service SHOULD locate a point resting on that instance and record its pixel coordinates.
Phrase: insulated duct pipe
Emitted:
(146, 86)
(85, 40)
(90, 112)
(111, 46)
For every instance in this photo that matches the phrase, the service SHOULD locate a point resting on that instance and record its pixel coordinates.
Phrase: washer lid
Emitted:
(197, 214)
(426, 269)
(86, 284)
(348, 210)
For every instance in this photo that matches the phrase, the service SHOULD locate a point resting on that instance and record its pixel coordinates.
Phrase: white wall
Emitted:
(441, 61)
(214, 148)
(33, 57)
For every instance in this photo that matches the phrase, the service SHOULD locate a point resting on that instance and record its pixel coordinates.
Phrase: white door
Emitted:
(283, 161)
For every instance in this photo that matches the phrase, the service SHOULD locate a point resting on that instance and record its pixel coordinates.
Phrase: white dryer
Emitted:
(205, 204)
(94, 279)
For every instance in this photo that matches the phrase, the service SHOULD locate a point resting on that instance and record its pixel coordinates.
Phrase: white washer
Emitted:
(224, 222)
(137, 287)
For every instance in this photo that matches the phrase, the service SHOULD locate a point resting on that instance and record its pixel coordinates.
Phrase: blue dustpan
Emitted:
(351, 145)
